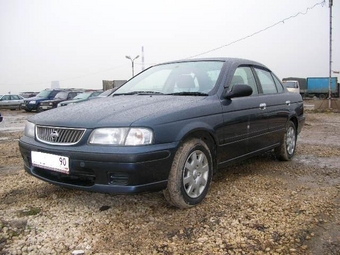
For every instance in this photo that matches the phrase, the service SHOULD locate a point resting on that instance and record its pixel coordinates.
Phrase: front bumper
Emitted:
(46, 107)
(29, 107)
(105, 169)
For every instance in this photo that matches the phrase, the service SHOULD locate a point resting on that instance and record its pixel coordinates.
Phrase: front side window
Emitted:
(15, 97)
(244, 75)
(266, 80)
(5, 97)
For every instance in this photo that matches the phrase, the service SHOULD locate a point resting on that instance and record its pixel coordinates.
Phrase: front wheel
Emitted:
(288, 145)
(190, 174)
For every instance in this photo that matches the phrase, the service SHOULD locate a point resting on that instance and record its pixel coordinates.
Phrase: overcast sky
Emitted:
(81, 42)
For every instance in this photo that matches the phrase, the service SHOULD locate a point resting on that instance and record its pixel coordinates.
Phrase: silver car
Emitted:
(11, 101)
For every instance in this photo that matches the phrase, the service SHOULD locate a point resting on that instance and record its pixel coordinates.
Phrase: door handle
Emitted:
(263, 106)
(288, 103)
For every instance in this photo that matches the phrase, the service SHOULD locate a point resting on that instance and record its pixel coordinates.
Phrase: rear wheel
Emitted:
(190, 174)
(288, 145)
(322, 96)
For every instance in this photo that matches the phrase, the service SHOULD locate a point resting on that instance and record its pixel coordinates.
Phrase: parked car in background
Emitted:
(59, 97)
(170, 128)
(292, 86)
(11, 101)
(107, 92)
(33, 103)
(82, 97)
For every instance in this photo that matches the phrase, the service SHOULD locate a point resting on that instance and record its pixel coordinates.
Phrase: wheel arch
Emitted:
(209, 139)
(294, 119)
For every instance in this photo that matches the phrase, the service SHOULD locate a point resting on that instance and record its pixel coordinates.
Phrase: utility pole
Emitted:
(143, 66)
(330, 55)
(132, 63)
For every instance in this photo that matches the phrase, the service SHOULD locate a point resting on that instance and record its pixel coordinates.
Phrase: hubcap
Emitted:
(291, 140)
(195, 174)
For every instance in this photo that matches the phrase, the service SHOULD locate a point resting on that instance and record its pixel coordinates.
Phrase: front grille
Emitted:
(59, 135)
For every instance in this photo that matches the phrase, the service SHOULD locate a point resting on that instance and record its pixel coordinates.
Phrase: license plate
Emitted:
(50, 161)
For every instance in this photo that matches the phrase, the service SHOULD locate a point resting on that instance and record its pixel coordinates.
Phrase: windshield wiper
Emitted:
(146, 92)
(187, 93)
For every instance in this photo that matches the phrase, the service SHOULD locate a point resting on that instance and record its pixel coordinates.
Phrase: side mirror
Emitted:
(239, 90)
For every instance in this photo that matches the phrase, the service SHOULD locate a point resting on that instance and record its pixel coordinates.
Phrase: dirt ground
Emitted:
(261, 206)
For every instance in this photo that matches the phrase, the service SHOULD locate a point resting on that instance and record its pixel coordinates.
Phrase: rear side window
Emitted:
(267, 82)
(278, 84)
(15, 97)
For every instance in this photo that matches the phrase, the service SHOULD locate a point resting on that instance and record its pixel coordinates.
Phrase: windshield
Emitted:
(195, 78)
(44, 93)
(82, 96)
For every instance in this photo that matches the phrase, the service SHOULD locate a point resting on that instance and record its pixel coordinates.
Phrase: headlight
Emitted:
(32, 102)
(29, 129)
(121, 136)
(139, 136)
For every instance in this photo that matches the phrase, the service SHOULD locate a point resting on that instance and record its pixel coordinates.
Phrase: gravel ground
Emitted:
(261, 206)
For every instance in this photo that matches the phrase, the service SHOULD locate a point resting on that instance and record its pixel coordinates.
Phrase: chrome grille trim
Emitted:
(59, 135)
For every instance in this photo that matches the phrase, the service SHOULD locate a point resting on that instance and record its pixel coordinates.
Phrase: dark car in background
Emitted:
(33, 103)
(170, 128)
(11, 101)
(82, 97)
(107, 92)
(59, 97)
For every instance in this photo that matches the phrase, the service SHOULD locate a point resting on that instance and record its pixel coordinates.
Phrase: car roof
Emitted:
(9, 95)
(239, 61)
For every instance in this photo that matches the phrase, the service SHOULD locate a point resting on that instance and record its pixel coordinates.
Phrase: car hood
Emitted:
(122, 111)
(35, 98)
(53, 100)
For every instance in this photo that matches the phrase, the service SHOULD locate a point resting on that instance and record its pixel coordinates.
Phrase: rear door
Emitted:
(276, 102)
(15, 100)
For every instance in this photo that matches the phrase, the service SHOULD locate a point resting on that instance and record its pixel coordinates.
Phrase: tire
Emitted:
(286, 150)
(190, 175)
(322, 96)
(40, 109)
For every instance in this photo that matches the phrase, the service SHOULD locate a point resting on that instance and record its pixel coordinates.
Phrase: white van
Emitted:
(292, 86)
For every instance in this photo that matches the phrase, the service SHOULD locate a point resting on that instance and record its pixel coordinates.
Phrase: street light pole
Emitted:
(132, 63)
(330, 56)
